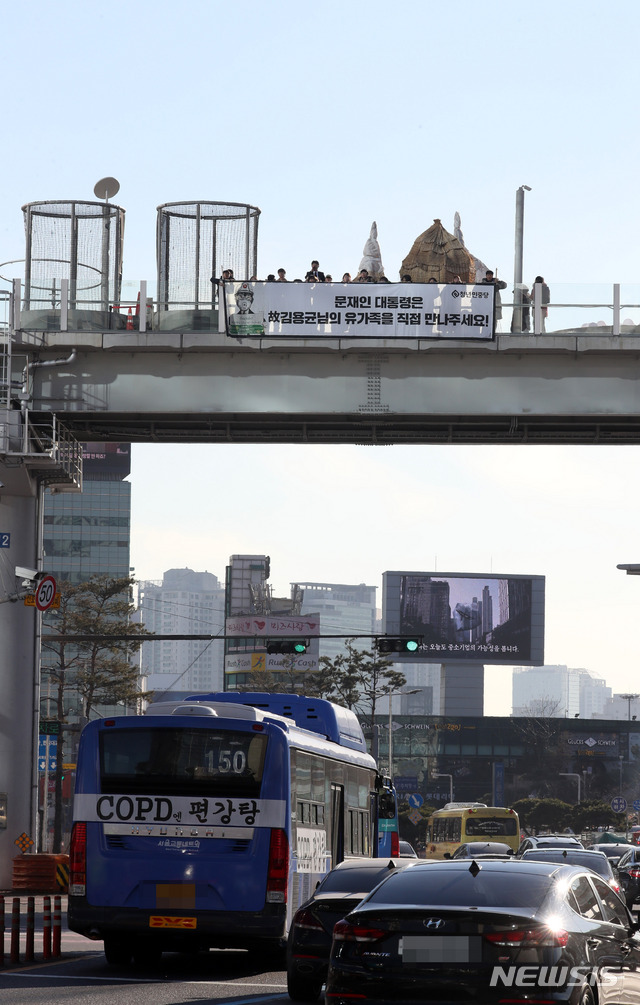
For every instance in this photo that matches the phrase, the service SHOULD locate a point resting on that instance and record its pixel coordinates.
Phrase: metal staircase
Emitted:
(31, 454)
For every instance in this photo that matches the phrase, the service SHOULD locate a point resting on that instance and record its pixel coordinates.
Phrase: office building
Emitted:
(558, 691)
(184, 603)
(344, 609)
(88, 533)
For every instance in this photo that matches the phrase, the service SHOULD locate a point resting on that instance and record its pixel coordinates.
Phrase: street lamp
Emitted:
(629, 698)
(516, 324)
(626, 815)
(443, 774)
(620, 760)
(573, 774)
(631, 570)
(415, 690)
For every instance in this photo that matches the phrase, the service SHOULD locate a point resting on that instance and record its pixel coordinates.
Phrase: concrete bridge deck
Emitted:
(566, 387)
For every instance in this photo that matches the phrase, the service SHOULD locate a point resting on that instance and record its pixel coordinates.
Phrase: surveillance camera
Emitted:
(29, 574)
(29, 577)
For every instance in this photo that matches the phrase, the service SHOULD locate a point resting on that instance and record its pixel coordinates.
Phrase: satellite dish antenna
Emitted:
(106, 188)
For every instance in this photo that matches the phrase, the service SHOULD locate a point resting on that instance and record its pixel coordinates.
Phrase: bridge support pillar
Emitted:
(19, 678)
(462, 689)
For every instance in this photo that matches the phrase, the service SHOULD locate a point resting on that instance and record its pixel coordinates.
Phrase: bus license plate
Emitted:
(170, 921)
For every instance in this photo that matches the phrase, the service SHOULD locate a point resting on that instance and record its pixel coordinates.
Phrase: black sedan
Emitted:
(586, 858)
(614, 852)
(487, 931)
(475, 849)
(629, 875)
(309, 941)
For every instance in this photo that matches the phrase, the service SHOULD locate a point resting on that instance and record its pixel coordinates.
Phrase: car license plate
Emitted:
(171, 921)
(440, 949)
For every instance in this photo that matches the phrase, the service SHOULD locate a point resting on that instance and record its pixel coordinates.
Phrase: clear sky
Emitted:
(328, 117)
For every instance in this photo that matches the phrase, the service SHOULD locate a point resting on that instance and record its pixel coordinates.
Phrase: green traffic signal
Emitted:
(297, 646)
(398, 644)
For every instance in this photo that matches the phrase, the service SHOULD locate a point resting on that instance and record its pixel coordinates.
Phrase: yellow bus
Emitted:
(458, 823)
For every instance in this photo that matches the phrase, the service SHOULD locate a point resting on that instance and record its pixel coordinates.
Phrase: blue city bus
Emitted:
(207, 822)
(388, 826)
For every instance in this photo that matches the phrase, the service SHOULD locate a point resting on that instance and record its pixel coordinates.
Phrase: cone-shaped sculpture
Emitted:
(438, 255)
(372, 259)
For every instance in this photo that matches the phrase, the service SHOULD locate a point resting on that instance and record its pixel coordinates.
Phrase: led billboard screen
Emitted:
(466, 617)
(112, 459)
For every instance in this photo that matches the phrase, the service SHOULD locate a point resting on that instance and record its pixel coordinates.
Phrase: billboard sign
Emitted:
(595, 744)
(270, 626)
(258, 662)
(106, 459)
(248, 635)
(466, 617)
(358, 310)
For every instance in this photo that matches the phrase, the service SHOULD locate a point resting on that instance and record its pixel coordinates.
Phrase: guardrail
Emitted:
(591, 309)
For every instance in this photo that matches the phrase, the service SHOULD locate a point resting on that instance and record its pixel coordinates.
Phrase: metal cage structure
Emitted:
(73, 256)
(196, 241)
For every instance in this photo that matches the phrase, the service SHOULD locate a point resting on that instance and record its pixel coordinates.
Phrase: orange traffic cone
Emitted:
(130, 321)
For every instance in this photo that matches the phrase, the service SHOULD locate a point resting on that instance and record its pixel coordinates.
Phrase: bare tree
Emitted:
(96, 670)
(540, 730)
(359, 678)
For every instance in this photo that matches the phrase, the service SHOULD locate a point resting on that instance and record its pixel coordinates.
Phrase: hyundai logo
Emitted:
(433, 923)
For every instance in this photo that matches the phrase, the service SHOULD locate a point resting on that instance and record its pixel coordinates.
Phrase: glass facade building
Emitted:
(535, 757)
(88, 533)
(343, 608)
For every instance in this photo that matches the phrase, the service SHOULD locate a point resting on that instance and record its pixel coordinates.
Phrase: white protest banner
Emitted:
(359, 310)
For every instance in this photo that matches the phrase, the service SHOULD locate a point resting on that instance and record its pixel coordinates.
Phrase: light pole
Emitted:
(626, 815)
(516, 324)
(631, 569)
(629, 698)
(443, 774)
(573, 774)
(415, 690)
(620, 760)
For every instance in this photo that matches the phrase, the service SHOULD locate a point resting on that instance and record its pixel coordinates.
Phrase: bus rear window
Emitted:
(491, 826)
(387, 806)
(182, 761)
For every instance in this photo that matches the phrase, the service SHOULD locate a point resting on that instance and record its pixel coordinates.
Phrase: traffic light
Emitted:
(398, 644)
(296, 646)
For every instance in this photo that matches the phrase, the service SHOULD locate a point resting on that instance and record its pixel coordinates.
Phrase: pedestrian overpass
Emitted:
(571, 386)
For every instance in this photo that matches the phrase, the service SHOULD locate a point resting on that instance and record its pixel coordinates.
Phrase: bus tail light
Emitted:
(278, 871)
(78, 860)
(395, 844)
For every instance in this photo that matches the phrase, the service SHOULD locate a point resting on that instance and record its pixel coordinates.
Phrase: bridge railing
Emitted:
(590, 309)
(5, 348)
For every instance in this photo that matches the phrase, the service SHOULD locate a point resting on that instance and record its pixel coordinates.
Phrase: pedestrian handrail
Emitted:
(570, 308)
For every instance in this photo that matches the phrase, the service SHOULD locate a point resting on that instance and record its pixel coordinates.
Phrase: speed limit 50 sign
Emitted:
(45, 593)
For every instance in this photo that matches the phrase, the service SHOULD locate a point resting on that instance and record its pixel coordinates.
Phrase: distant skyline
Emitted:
(347, 514)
